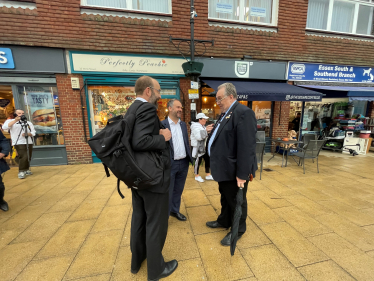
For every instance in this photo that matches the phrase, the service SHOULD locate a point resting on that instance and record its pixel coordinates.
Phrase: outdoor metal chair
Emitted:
(310, 151)
(260, 149)
(260, 136)
(307, 138)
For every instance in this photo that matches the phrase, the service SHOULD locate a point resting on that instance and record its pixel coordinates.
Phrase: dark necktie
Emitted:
(214, 127)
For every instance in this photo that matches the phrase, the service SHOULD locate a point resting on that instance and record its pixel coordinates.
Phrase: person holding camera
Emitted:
(199, 134)
(22, 142)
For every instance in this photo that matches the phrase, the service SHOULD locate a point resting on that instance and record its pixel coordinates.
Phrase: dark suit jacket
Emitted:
(233, 151)
(146, 137)
(5, 149)
(166, 124)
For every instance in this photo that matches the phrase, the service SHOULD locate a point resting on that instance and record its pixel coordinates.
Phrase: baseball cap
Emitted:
(201, 115)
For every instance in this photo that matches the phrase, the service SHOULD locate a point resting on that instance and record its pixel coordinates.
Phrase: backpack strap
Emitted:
(106, 170)
(119, 190)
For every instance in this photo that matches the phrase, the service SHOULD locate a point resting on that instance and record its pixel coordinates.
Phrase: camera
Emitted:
(23, 118)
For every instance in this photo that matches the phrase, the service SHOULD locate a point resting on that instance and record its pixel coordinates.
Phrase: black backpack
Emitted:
(112, 146)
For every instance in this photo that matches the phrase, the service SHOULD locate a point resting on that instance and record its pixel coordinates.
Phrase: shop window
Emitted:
(110, 101)
(160, 6)
(42, 108)
(248, 11)
(210, 108)
(346, 16)
(262, 110)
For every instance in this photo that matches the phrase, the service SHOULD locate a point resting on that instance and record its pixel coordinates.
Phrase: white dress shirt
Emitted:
(15, 131)
(177, 137)
(141, 99)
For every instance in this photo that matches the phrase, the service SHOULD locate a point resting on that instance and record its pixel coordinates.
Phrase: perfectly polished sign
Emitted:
(126, 64)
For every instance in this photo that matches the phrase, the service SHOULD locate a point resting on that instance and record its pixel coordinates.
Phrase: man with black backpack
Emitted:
(150, 206)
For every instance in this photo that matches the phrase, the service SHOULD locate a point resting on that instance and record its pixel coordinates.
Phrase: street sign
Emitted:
(193, 94)
(194, 85)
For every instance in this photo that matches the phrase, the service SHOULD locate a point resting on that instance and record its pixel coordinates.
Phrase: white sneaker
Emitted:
(21, 175)
(199, 179)
(28, 173)
(209, 178)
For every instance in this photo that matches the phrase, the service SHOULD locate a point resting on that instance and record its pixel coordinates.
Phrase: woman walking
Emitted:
(199, 134)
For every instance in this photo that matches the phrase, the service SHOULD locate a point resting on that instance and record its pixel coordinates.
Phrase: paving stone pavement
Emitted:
(69, 223)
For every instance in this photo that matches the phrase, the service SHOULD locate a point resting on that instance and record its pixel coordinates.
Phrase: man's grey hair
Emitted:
(171, 102)
(229, 89)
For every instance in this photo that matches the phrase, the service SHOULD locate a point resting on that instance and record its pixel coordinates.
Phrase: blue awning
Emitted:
(267, 91)
(353, 93)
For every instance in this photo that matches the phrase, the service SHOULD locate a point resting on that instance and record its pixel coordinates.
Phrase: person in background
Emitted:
(4, 151)
(296, 122)
(199, 134)
(17, 134)
(180, 154)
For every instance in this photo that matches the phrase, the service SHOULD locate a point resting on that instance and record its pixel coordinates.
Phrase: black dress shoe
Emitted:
(179, 216)
(170, 267)
(4, 206)
(214, 224)
(135, 271)
(227, 240)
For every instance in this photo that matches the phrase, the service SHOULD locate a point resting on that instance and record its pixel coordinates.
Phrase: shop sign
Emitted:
(126, 64)
(6, 58)
(224, 8)
(242, 68)
(258, 12)
(329, 73)
(42, 112)
(4, 103)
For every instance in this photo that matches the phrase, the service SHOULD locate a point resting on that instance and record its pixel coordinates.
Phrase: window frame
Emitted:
(274, 16)
(130, 9)
(357, 4)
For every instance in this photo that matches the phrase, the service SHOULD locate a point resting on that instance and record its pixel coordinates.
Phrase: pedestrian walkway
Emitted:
(69, 223)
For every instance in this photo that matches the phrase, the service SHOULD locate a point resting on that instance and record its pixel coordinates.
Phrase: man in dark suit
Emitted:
(180, 156)
(150, 206)
(232, 150)
(4, 151)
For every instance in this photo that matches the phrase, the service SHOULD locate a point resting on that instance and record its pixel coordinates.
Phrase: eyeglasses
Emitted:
(219, 101)
(158, 90)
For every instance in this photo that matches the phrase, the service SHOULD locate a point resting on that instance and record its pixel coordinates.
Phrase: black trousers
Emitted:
(178, 175)
(228, 190)
(2, 189)
(206, 158)
(24, 164)
(149, 226)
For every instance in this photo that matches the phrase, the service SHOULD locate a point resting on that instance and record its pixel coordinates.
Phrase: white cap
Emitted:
(201, 115)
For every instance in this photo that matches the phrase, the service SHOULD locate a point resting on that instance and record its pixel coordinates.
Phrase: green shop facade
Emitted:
(109, 81)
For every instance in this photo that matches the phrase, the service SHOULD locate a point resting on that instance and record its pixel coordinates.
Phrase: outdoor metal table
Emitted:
(286, 143)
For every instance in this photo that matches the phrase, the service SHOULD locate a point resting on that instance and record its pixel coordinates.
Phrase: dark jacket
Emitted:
(5, 149)
(166, 124)
(146, 137)
(233, 151)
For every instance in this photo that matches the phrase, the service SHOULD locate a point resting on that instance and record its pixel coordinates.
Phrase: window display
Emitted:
(262, 110)
(42, 108)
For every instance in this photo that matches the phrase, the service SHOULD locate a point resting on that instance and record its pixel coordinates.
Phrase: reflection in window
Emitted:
(159, 6)
(42, 108)
(262, 110)
(107, 102)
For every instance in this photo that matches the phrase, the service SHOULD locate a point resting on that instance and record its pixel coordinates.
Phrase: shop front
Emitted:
(259, 84)
(28, 82)
(109, 80)
(342, 116)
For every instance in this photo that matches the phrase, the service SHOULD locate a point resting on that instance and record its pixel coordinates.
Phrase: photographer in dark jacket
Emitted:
(4, 151)
(150, 216)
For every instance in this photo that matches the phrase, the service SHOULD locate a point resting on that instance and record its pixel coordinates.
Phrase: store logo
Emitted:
(295, 97)
(298, 68)
(6, 58)
(242, 69)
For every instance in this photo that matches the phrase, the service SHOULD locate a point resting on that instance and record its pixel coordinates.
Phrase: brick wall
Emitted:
(57, 23)
(77, 149)
(280, 130)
